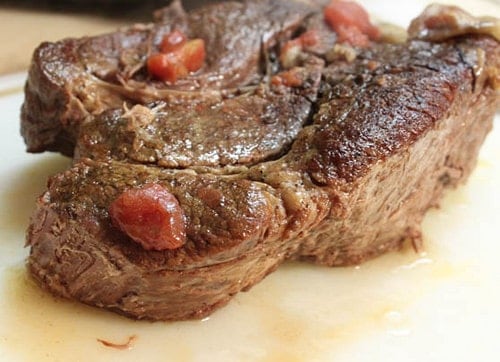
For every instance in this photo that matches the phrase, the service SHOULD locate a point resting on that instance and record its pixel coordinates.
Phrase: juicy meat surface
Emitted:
(334, 171)
(74, 79)
(241, 130)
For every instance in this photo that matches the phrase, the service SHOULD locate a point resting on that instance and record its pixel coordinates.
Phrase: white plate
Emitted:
(439, 306)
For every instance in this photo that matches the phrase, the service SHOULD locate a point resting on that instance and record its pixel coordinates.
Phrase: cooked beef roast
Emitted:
(74, 79)
(336, 170)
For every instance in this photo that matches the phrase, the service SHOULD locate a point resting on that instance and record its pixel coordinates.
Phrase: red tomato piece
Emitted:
(179, 57)
(172, 41)
(151, 216)
(167, 67)
(342, 15)
(193, 54)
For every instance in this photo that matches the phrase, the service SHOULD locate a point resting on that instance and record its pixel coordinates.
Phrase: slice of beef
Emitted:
(74, 79)
(388, 132)
(242, 130)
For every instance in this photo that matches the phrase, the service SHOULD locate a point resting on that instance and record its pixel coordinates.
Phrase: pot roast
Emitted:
(335, 169)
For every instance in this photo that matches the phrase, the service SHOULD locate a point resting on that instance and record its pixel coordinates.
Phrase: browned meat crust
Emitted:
(373, 148)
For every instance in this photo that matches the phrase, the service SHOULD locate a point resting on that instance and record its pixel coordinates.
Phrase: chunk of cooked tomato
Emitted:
(151, 216)
(193, 54)
(350, 20)
(167, 67)
(178, 57)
